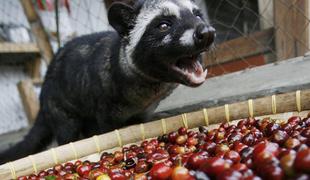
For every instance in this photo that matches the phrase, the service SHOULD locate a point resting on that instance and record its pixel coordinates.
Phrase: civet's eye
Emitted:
(164, 26)
(198, 14)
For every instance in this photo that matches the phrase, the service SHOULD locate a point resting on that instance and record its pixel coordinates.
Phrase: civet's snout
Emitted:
(204, 36)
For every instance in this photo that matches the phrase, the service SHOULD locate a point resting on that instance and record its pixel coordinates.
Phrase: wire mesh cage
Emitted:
(253, 33)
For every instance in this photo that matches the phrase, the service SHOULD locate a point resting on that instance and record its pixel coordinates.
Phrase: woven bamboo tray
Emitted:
(280, 106)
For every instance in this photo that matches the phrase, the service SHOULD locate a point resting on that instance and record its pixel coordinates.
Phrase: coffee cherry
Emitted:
(287, 162)
(307, 121)
(229, 174)
(271, 128)
(117, 176)
(292, 143)
(181, 173)
(22, 178)
(294, 120)
(172, 137)
(203, 130)
(233, 156)
(302, 177)
(199, 175)
(238, 146)
(42, 174)
(302, 161)
(209, 147)
(160, 171)
(241, 123)
(83, 170)
(241, 167)
(197, 159)
(103, 177)
(58, 167)
(191, 141)
(141, 167)
(265, 146)
(33, 177)
(118, 156)
(211, 134)
(224, 125)
(306, 132)
(164, 138)
(142, 176)
(181, 139)
(182, 131)
(130, 163)
(221, 149)
(73, 177)
(51, 171)
(272, 172)
(248, 139)
(214, 166)
(235, 136)
(279, 137)
(287, 128)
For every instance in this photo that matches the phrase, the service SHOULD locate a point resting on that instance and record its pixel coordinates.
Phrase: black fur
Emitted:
(90, 87)
(90, 94)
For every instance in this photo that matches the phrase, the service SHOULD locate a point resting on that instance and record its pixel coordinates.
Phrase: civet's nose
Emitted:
(204, 36)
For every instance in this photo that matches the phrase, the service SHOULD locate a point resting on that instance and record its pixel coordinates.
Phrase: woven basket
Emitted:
(280, 106)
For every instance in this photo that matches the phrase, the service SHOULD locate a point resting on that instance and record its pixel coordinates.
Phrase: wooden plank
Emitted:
(29, 99)
(25, 52)
(291, 28)
(7, 47)
(37, 29)
(254, 44)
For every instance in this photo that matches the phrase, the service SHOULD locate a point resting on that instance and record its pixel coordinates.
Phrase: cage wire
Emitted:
(236, 19)
(236, 22)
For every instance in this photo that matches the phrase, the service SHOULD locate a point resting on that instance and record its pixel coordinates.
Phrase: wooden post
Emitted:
(38, 30)
(291, 28)
(266, 14)
(29, 99)
(33, 68)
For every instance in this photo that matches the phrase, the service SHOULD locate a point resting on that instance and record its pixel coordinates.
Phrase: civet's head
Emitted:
(164, 39)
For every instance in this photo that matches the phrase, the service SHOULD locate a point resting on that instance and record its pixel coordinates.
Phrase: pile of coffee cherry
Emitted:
(250, 150)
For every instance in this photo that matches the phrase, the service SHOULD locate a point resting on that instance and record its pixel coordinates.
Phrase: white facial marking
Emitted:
(148, 14)
(188, 4)
(135, 35)
(167, 39)
(145, 18)
(171, 9)
(187, 38)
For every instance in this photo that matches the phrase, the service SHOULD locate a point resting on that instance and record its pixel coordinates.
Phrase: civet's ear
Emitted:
(121, 17)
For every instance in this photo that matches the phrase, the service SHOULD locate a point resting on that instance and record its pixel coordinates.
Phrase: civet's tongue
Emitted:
(195, 72)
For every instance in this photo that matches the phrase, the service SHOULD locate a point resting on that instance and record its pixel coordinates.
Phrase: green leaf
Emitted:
(50, 178)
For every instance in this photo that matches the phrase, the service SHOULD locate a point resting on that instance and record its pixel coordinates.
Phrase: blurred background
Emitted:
(250, 33)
